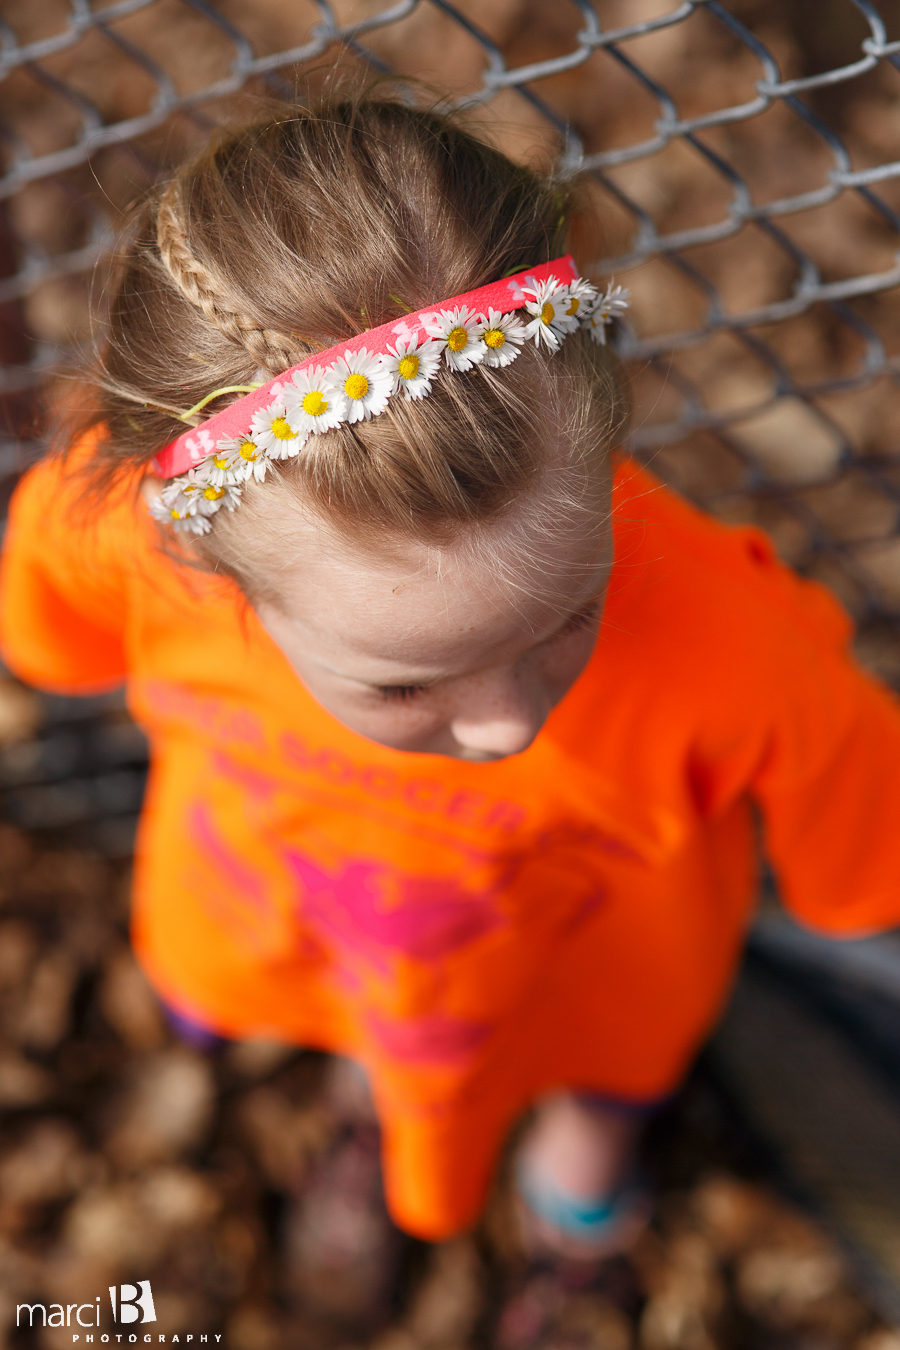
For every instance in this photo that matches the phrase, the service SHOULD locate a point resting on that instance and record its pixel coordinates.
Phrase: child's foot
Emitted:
(575, 1171)
(343, 1251)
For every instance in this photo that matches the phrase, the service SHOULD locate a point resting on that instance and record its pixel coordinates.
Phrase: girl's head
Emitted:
(436, 573)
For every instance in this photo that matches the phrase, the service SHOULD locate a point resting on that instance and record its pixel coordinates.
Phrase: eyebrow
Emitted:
(427, 683)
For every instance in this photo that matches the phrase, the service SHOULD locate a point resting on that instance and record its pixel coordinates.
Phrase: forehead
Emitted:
(402, 600)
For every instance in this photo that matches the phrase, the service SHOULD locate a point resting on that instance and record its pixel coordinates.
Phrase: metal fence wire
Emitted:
(743, 159)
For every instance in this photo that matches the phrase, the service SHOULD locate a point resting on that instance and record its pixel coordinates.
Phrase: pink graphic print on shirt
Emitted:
(432, 918)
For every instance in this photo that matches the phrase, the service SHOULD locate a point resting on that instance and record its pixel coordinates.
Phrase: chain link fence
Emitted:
(743, 160)
(742, 163)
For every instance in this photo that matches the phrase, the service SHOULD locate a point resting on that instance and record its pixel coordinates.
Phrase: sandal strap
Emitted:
(578, 1218)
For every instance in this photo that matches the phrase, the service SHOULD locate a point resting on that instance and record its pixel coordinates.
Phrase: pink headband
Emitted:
(507, 295)
(208, 468)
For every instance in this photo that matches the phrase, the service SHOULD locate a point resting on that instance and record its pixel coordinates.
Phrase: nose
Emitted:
(498, 714)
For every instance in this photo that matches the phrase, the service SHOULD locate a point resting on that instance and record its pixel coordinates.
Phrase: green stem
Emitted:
(226, 389)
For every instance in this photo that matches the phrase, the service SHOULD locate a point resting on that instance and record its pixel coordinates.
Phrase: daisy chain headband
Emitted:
(356, 379)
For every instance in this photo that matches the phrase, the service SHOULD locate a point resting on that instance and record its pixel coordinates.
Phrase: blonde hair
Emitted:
(307, 227)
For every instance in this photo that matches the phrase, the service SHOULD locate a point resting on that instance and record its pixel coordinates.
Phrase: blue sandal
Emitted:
(594, 1224)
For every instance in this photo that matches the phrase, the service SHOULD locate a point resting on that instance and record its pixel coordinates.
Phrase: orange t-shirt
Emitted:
(476, 934)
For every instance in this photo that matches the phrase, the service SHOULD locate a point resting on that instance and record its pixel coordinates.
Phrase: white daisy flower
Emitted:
(274, 431)
(459, 330)
(159, 511)
(412, 365)
(192, 525)
(211, 500)
(187, 502)
(582, 296)
(182, 524)
(503, 337)
(181, 497)
(235, 460)
(362, 380)
(548, 305)
(215, 499)
(314, 402)
(199, 522)
(606, 308)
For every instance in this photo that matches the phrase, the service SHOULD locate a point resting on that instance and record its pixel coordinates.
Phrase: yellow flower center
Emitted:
(573, 305)
(495, 337)
(356, 385)
(314, 403)
(457, 338)
(212, 494)
(548, 313)
(176, 515)
(282, 428)
(408, 367)
(248, 450)
(220, 461)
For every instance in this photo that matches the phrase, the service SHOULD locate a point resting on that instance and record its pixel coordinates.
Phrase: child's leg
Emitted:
(341, 1249)
(575, 1170)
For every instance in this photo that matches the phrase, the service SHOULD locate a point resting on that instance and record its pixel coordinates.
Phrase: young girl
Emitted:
(460, 722)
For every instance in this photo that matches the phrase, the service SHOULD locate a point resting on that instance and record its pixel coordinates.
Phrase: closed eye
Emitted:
(399, 693)
(578, 622)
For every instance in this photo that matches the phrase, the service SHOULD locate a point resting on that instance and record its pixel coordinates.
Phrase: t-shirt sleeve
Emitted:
(827, 779)
(62, 601)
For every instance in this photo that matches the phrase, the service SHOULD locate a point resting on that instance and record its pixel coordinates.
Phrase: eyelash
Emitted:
(400, 693)
(580, 621)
